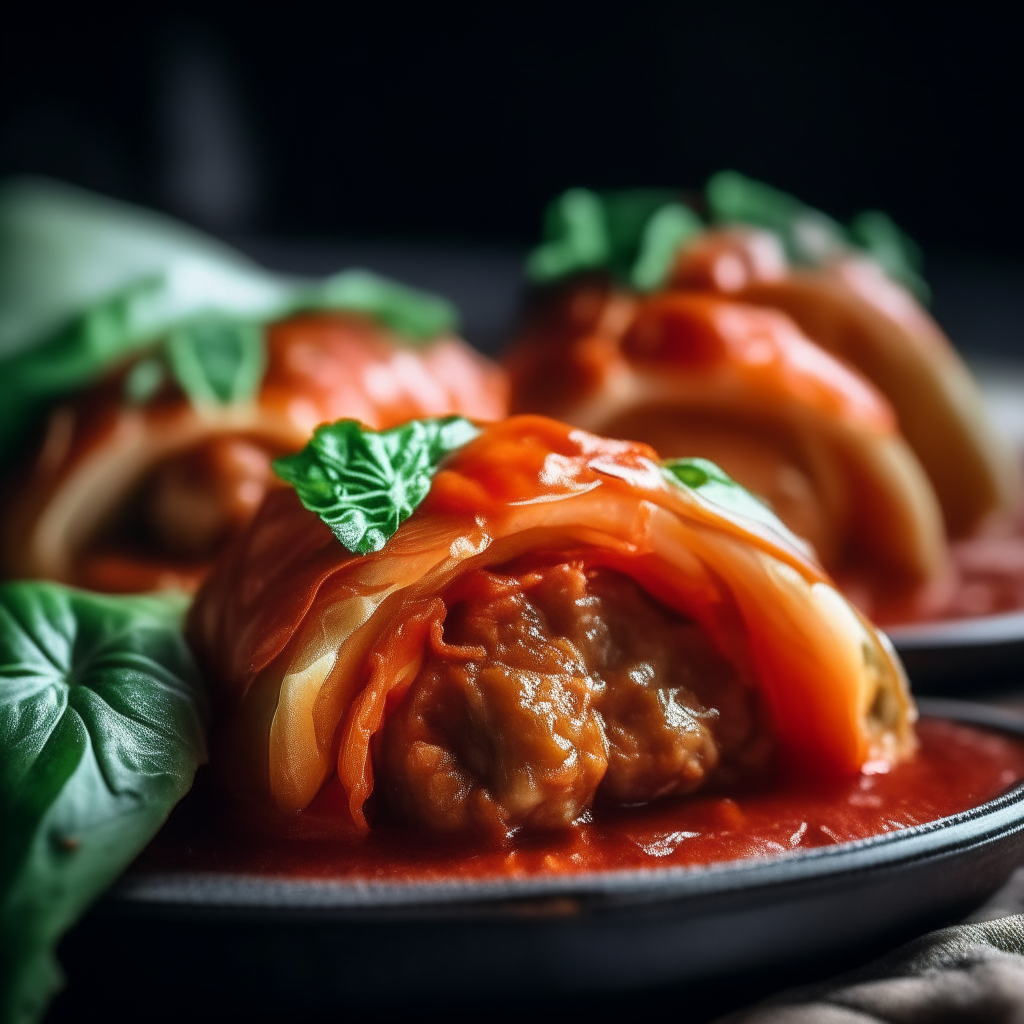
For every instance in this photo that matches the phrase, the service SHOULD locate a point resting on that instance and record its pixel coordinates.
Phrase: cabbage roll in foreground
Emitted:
(743, 386)
(487, 628)
(151, 375)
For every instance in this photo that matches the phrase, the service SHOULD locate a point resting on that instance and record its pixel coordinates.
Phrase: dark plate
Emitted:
(963, 656)
(968, 656)
(261, 943)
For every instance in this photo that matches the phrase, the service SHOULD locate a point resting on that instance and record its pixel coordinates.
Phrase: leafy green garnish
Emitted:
(86, 283)
(101, 732)
(632, 233)
(576, 237)
(62, 250)
(627, 213)
(810, 236)
(365, 483)
(665, 233)
(417, 315)
(714, 485)
(892, 249)
(635, 234)
(217, 361)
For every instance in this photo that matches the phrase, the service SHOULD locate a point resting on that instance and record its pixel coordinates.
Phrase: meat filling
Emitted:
(195, 500)
(179, 517)
(550, 688)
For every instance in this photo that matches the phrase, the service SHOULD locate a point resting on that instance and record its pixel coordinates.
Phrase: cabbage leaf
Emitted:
(86, 283)
(102, 727)
(714, 486)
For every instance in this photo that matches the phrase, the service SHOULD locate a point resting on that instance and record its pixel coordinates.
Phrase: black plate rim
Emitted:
(1000, 817)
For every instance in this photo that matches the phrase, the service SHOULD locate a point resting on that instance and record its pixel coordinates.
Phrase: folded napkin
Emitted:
(972, 972)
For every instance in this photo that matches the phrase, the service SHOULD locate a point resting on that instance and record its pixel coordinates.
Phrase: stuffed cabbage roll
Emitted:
(481, 629)
(137, 436)
(855, 291)
(694, 373)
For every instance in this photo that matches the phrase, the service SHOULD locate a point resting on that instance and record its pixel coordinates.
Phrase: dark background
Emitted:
(425, 141)
(416, 123)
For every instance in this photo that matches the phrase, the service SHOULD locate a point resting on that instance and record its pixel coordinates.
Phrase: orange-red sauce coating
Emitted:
(957, 767)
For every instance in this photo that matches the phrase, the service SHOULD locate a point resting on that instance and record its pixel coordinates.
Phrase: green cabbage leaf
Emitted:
(102, 727)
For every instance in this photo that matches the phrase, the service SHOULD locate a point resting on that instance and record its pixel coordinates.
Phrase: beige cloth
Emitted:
(971, 973)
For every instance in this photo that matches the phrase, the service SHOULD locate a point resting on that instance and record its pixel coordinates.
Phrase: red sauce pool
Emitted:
(985, 577)
(957, 767)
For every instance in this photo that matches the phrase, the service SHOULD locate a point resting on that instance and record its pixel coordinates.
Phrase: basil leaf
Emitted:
(576, 237)
(218, 361)
(892, 249)
(365, 483)
(714, 485)
(417, 315)
(667, 231)
(809, 236)
(632, 233)
(101, 732)
(628, 213)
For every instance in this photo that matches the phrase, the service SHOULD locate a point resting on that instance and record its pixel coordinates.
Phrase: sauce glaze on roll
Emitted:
(742, 385)
(563, 623)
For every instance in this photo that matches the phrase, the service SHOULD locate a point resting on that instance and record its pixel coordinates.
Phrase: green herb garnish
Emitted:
(667, 230)
(714, 485)
(101, 732)
(892, 249)
(86, 282)
(63, 250)
(365, 483)
(810, 236)
(217, 361)
(576, 237)
(634, 234)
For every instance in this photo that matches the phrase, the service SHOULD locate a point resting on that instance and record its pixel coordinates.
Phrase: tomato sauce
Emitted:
(985, 577)
(957, 767)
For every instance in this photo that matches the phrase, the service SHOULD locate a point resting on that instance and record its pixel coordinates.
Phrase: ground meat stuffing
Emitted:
(554, 688)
